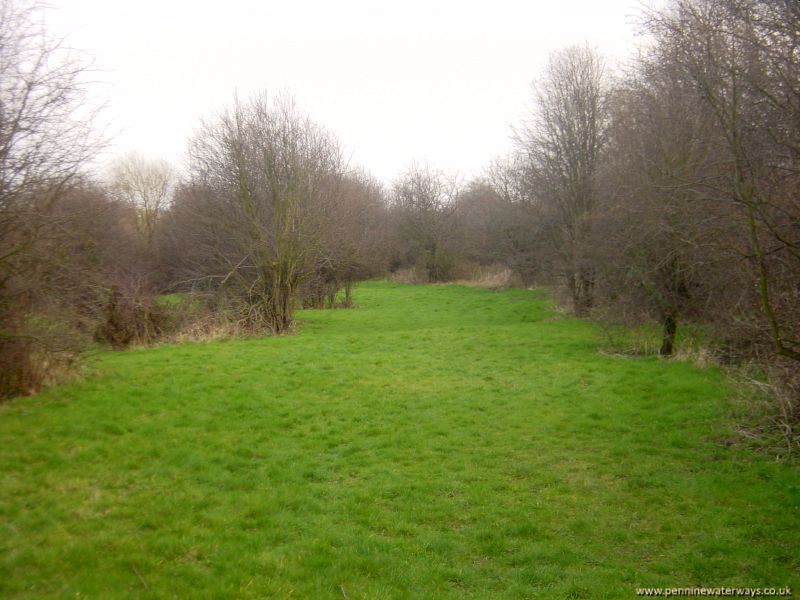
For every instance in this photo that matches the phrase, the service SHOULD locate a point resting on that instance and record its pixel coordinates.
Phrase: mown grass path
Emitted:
(436, 442)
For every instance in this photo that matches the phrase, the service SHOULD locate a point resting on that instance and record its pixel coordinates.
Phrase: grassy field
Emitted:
(435, 442)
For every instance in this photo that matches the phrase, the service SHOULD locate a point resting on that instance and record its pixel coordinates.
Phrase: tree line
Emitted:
(664, 191)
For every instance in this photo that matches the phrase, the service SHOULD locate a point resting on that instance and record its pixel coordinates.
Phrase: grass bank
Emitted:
(436, 442)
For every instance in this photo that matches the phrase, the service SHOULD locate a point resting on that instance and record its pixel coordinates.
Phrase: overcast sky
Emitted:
(395, 81)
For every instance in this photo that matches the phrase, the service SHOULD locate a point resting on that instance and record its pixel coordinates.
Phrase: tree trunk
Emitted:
(348, 294)
(586, 291)
(670, 328)
(331, 292)
(574, 293)
(581, 287)
(280, 317)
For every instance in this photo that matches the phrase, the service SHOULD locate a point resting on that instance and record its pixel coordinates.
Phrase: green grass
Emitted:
(435, 442)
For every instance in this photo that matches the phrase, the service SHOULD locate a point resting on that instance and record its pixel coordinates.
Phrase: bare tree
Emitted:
(46, 137)
(562, 141)
(265, 179)
(352, 243)
(424, 201)
(521, 225)
(741, 56)
(655, 232)
(144, 184)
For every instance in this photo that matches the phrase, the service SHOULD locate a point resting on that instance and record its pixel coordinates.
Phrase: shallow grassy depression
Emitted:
(435, 442)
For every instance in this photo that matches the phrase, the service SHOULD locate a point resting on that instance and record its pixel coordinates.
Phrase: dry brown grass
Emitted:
(410, 276)
(493, 277)
(209, 328)
(699, 355)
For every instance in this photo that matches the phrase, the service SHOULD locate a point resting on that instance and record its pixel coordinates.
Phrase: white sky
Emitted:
(395, 81)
